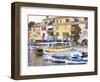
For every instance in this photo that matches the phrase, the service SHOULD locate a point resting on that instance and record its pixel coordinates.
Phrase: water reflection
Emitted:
(55, 58)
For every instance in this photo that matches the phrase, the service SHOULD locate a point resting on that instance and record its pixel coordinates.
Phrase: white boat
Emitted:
(64, 55)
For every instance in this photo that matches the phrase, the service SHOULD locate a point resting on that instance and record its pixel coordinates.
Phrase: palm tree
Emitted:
(75, 34)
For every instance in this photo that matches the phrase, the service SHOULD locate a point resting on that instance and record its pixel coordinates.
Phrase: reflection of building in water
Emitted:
(58, 27)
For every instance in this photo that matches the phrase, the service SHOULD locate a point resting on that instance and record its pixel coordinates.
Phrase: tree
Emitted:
(75, 34)
(66, 35)
(30, 24)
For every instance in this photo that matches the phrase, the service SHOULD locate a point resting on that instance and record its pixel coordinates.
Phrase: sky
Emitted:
(36, 18)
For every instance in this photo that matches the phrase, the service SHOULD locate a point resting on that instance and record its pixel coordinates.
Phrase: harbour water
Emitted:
(40, 60)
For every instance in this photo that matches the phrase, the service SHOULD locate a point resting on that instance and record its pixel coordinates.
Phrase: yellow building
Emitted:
(62, 27)
(59, 27)
(62, 24)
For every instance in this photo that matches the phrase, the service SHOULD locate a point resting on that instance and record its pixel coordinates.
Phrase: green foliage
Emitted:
(30, 24)
(66, 35)
(75, 34)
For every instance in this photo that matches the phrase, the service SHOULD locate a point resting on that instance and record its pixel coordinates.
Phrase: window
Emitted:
(86, 26)
(43, 28)
(50, 23)
(67, 20)
(56, 21)
(50, 29)
(76, 19)
(85, 18)
(73, 26)
(52, 34)
(43, 36)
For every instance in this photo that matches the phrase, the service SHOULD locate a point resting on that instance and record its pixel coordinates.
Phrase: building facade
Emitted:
(57, 27)
(62, 26)
(35, 32)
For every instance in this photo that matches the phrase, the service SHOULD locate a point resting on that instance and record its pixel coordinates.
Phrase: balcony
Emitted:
(50, 30)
